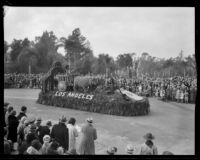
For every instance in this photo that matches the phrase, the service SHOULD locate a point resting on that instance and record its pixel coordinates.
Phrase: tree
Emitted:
(76, 47)
(124, 60)
(16, 48)
(5, 47)
(46, 49)
(28, 57)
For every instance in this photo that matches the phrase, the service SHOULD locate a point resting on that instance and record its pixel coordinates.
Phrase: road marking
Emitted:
(20, 97)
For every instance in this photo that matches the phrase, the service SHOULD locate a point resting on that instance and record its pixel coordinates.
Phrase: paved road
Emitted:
(171, 123)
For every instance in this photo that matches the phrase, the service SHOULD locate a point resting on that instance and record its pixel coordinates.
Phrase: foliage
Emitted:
(101, 103)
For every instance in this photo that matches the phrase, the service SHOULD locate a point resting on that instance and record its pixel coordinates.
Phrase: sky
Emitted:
(160, 31)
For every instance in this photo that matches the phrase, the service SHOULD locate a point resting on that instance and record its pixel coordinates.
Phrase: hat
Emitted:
(6, 104)
(49, 123)
(63, 119)
(111, 150)
(89, 119)
(31, 119)
(129, 149)
(149, 136)
(167, 153)
(46, 138)
(39, 119)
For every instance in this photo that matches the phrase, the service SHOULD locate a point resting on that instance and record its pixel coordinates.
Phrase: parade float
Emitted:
(86, 93)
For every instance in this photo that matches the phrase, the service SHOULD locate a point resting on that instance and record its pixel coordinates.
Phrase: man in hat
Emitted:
(111, 150)
(129, 149)
(87, 146)
(22, 113)
(60, 133)
(44, 130)
(148, 147)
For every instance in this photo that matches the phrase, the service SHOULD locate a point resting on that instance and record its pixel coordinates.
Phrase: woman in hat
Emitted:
(148, 147)
(20, 130)
(89, 135)
(46, 144)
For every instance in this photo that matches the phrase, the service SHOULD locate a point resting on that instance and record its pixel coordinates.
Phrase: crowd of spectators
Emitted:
(21, 80)
(25, 135)
(179, 89)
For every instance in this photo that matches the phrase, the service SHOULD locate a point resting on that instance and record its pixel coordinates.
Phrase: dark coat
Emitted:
(23, 147)
(42, 131)
(60, 134)
(12, 128)
(21, 114)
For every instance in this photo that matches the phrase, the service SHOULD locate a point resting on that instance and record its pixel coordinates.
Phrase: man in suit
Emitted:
(60, 133)
(87, 146)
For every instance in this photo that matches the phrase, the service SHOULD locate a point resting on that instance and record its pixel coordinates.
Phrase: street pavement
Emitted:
(171, 123)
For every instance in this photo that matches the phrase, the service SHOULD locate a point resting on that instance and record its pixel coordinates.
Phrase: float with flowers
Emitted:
(89, 93)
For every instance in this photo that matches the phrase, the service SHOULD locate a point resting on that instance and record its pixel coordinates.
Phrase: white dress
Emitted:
(73, 133)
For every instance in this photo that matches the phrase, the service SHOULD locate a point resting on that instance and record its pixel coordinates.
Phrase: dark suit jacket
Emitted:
(60, 134)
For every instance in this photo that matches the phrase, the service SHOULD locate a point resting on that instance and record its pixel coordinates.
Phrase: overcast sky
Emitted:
(162, 32)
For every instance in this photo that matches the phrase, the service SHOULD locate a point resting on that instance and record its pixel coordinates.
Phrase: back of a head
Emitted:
(149, 143)
(167, 153)
(13, 112)
(23, 108)
(36, 144)
(30, 137)
(54, 145)
(10, 108)
(72, 121)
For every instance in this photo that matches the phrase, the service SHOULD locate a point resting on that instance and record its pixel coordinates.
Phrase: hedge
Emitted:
(113, 104)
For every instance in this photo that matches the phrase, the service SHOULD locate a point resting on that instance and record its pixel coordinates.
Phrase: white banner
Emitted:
(131, 95)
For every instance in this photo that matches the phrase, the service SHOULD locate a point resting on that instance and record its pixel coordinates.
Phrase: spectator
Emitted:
(52, 150)
(87, 146)
(38, 126)
(167, 153)
(20, 130)
(31, 121)
(7, 143)
(71, 152)
(44, 130)
(26, 143)
(60, 133)
(73, 133)
(35, 147)
(10, 109)
(129, 149)
(148, 147)
(22, 113)
(46, 144)
(111, 150)
(12, 127)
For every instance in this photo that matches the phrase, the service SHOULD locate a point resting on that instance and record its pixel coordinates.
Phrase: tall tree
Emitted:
(16, 48)
(76, 47)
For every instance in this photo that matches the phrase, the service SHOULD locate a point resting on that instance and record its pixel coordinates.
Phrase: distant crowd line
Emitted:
(179, 89)
(33, 138)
